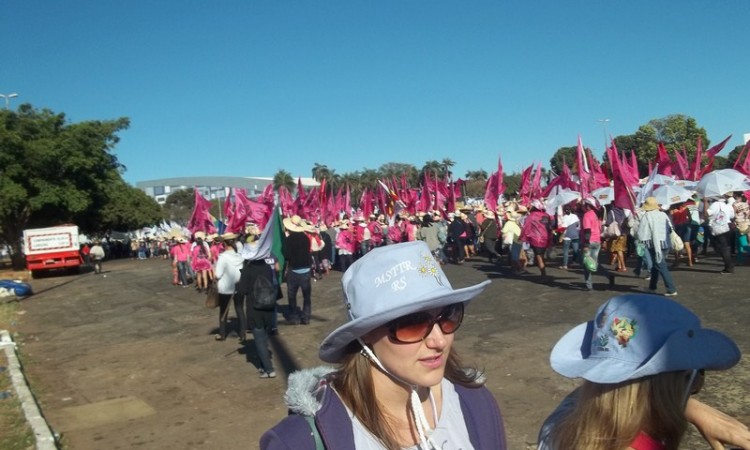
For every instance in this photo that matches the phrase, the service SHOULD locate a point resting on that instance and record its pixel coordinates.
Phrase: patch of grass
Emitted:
(15, 433)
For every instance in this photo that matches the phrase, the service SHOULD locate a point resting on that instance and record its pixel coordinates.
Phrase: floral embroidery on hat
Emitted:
(428, 267)
(624, 329)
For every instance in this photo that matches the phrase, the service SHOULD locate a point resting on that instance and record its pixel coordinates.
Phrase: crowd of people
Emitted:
(398, 383)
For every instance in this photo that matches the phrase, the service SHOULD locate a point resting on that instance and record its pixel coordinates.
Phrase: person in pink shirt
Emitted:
(376, 232)
(201, 261)
(591, 237)
(180, 255)
(346, 245)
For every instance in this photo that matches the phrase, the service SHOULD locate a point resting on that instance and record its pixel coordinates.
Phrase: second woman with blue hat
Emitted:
(399, 382)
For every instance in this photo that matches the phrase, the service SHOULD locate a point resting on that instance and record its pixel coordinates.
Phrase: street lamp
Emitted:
(604, 124)
(7, 99)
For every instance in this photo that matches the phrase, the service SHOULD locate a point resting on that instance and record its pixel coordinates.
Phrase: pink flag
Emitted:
(711, 152)
(525, 188)
(583, 169)
(662, 158)
(696, 169)
(624, 197)
(681, 165)
(201, 219)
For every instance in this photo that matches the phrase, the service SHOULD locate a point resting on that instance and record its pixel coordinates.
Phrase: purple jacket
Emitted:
(306, 393)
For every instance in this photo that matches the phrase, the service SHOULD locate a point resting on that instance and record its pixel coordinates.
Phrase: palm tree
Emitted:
(284, 178)
(321, 172)
(432, 167)
(447, 164)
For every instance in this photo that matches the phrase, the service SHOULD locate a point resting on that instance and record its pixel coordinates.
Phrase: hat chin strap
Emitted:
(423, 427)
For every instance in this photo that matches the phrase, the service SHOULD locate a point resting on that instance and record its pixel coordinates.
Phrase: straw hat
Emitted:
(650, 204)
(294, 224)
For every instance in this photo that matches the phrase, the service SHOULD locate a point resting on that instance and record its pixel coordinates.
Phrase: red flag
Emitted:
(536, 185)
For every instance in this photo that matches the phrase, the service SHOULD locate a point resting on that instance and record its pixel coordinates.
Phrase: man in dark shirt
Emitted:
(299, 262)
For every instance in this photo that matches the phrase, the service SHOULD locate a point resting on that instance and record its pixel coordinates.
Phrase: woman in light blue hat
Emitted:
(640, 358)
(399, 383)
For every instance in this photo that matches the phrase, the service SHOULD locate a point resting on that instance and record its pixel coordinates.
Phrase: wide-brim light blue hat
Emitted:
(387, 283)
(637, 335)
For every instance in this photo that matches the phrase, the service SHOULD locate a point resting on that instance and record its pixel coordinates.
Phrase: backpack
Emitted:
(264, 294)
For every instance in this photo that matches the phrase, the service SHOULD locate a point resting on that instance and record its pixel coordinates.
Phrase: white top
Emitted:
(228, 271)
(450, 433)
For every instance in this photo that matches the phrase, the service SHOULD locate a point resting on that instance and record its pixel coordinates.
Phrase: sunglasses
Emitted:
(416, 327)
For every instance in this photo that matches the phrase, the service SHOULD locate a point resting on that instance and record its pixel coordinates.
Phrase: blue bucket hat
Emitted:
(387, 283)
(637, 335)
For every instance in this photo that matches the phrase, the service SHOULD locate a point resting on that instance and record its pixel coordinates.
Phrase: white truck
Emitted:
(52, 248)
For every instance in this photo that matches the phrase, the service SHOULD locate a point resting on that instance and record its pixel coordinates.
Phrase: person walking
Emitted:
(228, 273)
(97, 255)
(653, 232)
(591, 240)
(299, 262)
(720, 215)
(537, 232)
(571, 236)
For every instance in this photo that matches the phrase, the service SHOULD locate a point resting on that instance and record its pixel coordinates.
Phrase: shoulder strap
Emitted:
(315, 433)
(482, 417)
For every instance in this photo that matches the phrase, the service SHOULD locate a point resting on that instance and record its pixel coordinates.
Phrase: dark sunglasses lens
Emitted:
(451, 318)
(415, 327)
(411, 328)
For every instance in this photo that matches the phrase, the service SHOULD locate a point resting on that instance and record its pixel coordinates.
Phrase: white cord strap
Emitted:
(423, 427)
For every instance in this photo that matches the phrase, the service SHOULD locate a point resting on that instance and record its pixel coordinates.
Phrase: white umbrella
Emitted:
(604, 195)
(719, 182)
(687, 184)
(560, 197)
(669, 194)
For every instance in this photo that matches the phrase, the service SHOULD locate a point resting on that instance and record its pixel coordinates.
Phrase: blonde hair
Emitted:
(354, 384)
(610, 416)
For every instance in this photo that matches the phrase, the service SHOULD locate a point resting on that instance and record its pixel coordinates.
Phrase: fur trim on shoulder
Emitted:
(305, 391)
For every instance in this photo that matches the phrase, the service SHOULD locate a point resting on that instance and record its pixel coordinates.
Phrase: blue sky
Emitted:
(244, 88)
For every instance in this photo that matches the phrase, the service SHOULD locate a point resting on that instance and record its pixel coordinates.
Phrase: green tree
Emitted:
(676, 131)
(284, 178)
(563, 154)
(475, 187)
(512, 184)
(476, 175)
(128, 208)
(734, 154)
(179, 205)
(53, 172)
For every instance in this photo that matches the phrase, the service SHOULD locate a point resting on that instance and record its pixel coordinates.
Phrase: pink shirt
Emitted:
(591, 222)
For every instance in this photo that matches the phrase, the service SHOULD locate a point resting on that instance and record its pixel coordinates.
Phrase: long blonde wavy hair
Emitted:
(610, 416)
(354, 384)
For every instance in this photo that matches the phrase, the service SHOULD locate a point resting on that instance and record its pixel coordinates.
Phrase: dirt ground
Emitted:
(126, 360)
